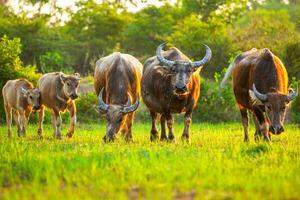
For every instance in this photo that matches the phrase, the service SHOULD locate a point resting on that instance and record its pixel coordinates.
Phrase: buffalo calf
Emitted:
(21, 97)
(58, 92)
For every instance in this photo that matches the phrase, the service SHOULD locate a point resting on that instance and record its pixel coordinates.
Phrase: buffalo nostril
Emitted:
(180, 86)
(281, 129)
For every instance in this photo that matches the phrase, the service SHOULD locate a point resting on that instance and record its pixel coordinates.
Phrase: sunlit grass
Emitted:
(217, 164)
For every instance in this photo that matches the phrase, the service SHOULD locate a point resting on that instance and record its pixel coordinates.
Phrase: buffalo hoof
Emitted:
(163, 138)
(153, 137)
(57, 136)
(267, 139)
(69, 135)
(172, 138)
(40, 131)
(185, 138)
(128, 139)
(107, 139)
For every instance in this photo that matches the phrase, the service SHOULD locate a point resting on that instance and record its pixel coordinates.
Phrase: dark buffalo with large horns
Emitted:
(171, 84)
(117, 84)
(260, 85)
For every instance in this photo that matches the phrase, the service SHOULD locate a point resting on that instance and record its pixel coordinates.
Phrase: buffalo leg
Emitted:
(263, 125)
(72, 111)
(170, 122)
(56, 122)
(163, 135)
(23, 122)
(154, 133)
(245, 121)
(8, 113)
(187, 123)
(16, 116)
(27, 114)
(257, 134)
(41, 120)
(128, 133)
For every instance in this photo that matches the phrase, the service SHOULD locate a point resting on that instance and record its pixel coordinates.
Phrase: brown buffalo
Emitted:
(20, 96)
(58, 92)
(171, 84)
(117, 84)
(260, 84)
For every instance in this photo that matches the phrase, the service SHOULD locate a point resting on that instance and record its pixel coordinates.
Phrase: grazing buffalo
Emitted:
(58, 92)
(117, 83)
(260, 84)
(20, 96)
(171, 84)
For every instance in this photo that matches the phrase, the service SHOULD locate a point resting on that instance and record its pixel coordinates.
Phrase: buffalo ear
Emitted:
(99, 111)
(77, 75)
(24, 92)
(63, 78)
(254, 100)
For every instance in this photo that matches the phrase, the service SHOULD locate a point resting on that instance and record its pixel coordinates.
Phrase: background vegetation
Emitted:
(35, 42)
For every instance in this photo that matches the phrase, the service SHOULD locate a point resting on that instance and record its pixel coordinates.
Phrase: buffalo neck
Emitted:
(117, 87)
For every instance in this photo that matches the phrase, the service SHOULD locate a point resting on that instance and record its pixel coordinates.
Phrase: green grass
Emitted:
(217, 164)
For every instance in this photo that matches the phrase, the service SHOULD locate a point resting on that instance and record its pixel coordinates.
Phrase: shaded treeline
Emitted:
(50, 42)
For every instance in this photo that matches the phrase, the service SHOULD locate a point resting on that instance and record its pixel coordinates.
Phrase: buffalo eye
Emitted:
(173, 68)
(30, 97)
(68, 84)
(269, 107)
(283, 108)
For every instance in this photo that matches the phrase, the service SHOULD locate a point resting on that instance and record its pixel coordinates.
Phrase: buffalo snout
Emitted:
(276, 129)
(180, 87)
(74, 96)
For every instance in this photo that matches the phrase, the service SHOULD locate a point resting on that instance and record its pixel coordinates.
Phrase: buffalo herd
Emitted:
(168, 83)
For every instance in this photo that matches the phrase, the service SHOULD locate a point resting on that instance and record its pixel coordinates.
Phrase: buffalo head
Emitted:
(181, 70)
(70, 85)
(115, 114)
(33, 97)
(275, 105)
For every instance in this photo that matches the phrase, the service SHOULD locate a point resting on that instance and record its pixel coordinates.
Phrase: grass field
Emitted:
(217, 164)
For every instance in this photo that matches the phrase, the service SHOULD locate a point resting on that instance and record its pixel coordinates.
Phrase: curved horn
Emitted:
(259, 95)
(292, 94)
(102, 105)
(161, 58)
(128, 109)
(206, 58)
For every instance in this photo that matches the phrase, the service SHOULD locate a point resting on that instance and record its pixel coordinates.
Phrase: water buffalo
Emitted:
(21, 97)
(58, 92)
(171, 84)
(260, 84)
(117, 83)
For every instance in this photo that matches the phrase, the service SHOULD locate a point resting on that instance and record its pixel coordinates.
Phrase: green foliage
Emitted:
(51, 62)
(148, 29)
(292, 60)
(85, 106)
(98, 29)
(191, 33)
(217, 164)
(265, 29)
(216, 104)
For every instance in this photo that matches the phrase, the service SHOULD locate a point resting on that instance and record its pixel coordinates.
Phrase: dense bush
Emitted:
(51, 62)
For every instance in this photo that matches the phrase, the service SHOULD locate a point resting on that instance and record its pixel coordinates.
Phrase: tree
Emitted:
(264, 29)
(148, 29)
(97, 28)
(191, 33)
